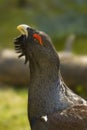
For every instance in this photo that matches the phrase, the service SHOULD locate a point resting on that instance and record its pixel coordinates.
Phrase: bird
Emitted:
(52, 105)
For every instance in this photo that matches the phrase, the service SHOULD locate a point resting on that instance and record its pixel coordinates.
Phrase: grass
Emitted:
(13, 109)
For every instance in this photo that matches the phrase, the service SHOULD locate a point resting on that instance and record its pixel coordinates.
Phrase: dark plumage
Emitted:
(51, 104)
(73, 118)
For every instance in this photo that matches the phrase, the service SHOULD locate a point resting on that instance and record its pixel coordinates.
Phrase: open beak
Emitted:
(23, 29)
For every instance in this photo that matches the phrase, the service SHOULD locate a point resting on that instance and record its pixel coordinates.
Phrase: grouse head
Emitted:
(36, 45)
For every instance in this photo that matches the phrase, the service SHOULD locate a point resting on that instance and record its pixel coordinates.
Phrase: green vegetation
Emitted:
(13, 109)
(59, 18)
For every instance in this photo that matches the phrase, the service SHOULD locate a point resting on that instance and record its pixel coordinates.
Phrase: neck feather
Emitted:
(43, 88)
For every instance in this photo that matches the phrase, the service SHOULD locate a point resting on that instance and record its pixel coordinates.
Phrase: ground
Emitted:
(13, 109)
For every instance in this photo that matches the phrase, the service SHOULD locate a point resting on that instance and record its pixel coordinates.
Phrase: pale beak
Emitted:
(23, 29)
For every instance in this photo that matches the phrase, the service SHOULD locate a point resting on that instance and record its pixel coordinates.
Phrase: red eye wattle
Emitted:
(38, 37)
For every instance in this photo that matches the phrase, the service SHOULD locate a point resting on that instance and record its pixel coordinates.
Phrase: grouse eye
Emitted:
(35, 40)
(38, 37)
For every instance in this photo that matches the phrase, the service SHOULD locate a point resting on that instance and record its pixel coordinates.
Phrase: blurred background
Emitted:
(66, 23)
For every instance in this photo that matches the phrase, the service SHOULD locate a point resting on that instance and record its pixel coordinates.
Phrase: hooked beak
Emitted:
(23, 29)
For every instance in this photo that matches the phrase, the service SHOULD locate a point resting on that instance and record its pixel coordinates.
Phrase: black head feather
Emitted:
(20, 46)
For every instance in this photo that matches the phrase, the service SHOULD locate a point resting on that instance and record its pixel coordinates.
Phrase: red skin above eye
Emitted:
(38, 37)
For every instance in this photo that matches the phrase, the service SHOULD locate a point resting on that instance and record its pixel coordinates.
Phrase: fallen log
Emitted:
(13, 71)
(74, 69)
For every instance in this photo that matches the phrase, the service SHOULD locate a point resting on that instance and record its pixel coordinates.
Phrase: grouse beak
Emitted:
(23, 29)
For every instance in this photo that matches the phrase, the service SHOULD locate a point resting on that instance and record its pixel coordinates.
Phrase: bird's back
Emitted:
(73, 118)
